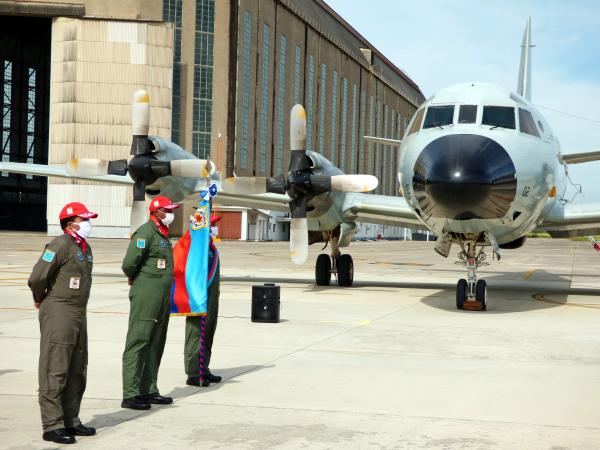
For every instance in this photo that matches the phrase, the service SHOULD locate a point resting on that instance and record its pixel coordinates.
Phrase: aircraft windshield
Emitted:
(499, 116)
(438, 116)
(467, 113)
(527, 124)
(416, 125)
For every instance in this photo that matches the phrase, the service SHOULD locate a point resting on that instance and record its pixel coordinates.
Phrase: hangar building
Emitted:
(222, 76)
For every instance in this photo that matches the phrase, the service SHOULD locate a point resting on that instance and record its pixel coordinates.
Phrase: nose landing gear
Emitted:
(471, 294)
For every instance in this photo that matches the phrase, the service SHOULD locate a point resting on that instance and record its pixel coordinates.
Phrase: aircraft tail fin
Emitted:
(524, 86)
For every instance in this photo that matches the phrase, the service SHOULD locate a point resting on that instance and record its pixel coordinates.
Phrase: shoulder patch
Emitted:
(141, 243)
(48, 255)
(163, 244)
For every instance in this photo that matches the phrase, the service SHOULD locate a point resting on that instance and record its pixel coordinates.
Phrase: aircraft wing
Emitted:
(59, 172)
(381, 209)
(272, 202)
(570, 220)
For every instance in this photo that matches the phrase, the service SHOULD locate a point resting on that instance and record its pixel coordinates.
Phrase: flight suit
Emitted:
(61, 281)
(193, 324)
(149, 262)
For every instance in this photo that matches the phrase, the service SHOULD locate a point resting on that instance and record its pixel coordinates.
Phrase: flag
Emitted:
(194, 268)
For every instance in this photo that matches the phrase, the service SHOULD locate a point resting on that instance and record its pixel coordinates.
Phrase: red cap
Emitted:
(215, 219)
(160, 201)
(76, 209)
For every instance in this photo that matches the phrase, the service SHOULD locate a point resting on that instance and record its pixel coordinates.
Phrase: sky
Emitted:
(442, 42)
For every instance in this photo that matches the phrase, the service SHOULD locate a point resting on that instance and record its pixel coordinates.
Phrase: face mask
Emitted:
(214, 231)
(85, 228)
(169, 218)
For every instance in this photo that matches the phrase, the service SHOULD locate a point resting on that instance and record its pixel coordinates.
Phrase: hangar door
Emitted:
(25, 102)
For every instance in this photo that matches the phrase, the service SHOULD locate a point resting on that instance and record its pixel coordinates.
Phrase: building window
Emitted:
(281, 103)
(297, 75)
(309, 102)
(371, 133)
(384, 150)
(334, 151)
(203, 78)
(264, 100)
(247, 41)
(400, 127)
(322, 108)
(378, 147)
(30, 140)
(6, 110)
(353, 130)
(361, 132)
(344, 125)
(172, 13)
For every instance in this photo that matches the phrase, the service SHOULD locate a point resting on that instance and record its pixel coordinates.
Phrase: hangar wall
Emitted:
(95, 68)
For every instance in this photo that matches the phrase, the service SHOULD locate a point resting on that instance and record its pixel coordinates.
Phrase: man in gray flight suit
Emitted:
(60, 283)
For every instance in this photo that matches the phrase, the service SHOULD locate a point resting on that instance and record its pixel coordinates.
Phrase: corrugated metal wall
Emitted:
(97, 65)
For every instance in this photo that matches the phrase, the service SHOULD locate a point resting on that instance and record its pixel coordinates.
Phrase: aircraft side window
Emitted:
(467, 113)
(416, 125)
(541, 126)
(438, 116)
(499, 116)
(527, 124)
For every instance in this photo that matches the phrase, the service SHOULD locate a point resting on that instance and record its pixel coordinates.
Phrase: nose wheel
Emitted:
(471, 293)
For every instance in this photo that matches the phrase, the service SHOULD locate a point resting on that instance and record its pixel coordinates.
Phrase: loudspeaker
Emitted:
(265, 303)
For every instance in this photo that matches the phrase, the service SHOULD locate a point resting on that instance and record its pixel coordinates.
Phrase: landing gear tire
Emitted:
(481, 293)
(345, 270)
(461, 293)
(323, 270)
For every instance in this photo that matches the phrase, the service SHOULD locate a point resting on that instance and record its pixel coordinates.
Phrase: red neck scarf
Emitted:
(78, 239)
(161, 228)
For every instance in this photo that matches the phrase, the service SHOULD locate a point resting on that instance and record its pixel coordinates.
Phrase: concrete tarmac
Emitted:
(389, 363)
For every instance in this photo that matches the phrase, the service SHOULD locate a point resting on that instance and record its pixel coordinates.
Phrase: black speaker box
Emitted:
(265, 303)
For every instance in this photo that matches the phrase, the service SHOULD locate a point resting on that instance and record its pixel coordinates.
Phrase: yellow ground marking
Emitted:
(527, 275)
(543, 298)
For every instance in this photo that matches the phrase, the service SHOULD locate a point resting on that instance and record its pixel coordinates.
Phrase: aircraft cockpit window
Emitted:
(527, 124)
(467, 113)
(416, 125)
(499, 116)
(438, 116)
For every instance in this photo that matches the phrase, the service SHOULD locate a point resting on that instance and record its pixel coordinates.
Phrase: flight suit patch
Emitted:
(163, 244)
(80, 256)
(141, 243)
(48, 256)
(90, 258)
(161, 264)
(74, 283)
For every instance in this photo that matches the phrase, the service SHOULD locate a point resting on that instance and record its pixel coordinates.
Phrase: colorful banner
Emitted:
(194, 269)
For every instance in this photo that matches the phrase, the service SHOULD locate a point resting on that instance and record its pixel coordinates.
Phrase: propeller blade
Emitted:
(192, 168)
(139, 214)
(140, 122)
(353, 183)
(245, 185)
(87, 167)
(298, 128)
(299, 240)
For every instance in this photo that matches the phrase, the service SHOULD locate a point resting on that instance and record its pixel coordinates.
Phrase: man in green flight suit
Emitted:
(60, 282)
(148, 265)
(193, 324)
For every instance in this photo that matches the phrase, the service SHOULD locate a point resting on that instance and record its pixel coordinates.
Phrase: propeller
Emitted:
(301, 185)
(144, 167)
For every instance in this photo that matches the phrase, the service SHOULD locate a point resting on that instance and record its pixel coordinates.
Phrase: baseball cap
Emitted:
(160, 201)
(76, 209)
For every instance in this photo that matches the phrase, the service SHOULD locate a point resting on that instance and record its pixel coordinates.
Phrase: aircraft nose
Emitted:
(464, 176)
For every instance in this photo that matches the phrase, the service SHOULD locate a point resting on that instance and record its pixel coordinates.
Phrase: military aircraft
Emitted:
(478, 166)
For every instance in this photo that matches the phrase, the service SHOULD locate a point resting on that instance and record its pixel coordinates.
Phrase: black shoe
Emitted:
(82, 430)
(135, 403)
(157, 399)
(60, 436)
(195, 381)
(213, 378)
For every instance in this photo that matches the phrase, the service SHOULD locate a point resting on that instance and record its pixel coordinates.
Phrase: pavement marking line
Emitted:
(543, 298)
(527, 275)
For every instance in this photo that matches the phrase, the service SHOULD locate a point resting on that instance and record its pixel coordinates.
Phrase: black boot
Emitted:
(195, 381)
(60, 436)
(157, 399)
(135, 403)
(213, 378)
(82, 430)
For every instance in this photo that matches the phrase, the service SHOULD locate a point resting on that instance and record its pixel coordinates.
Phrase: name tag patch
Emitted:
(74, 283)
(48, 256)
(141, 243)
(161, 264)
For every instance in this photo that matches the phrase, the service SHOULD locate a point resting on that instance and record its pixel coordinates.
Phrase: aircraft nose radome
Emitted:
(464, 176)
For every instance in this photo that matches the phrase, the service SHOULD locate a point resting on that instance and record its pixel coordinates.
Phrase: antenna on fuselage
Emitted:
(524, 86)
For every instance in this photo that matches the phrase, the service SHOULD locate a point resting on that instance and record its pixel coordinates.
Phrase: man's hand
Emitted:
(130, 281)
(36, 305)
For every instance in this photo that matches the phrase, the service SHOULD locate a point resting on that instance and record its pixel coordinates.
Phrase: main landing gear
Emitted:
(340, 265)
(471, 294)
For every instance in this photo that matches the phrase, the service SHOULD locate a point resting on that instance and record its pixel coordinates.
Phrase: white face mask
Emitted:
(214, 231)
(85, 228)
(169, 218)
